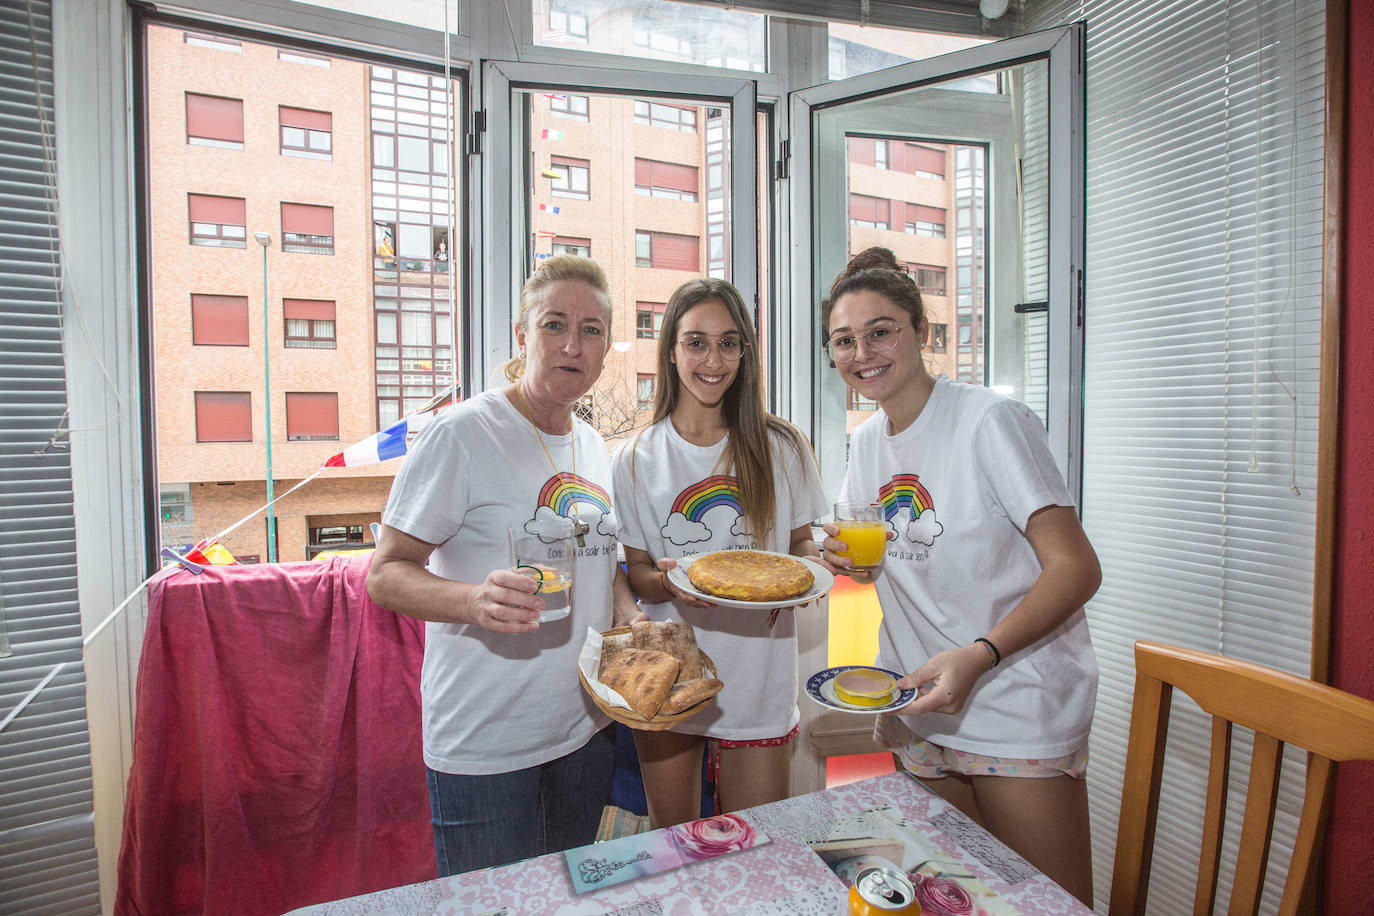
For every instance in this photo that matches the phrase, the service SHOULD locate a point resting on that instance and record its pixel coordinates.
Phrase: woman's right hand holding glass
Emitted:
(505, 602)
(831, 549)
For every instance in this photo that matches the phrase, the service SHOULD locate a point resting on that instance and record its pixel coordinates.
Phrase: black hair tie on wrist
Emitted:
(996, 655)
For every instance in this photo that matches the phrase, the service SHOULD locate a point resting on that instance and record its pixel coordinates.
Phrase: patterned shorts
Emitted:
(929, 760)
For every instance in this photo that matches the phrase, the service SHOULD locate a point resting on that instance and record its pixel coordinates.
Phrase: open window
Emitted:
(969, 167)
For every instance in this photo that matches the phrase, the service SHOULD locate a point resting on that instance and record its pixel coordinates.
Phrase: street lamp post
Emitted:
(265, 240)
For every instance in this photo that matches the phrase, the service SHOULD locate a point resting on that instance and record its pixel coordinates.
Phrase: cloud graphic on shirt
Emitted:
(606, 525)
(740, 527)
(682, 530)
(924, 529)
(548, 525)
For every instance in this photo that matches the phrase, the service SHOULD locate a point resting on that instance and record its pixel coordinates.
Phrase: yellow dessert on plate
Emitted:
(863, 687)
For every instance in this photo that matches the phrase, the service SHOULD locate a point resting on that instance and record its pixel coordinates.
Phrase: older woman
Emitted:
(518, 760)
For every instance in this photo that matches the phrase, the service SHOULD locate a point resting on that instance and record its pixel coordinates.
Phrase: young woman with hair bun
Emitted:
(984, 582)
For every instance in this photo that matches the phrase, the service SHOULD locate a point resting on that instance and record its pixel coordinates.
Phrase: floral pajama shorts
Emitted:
(928, 760)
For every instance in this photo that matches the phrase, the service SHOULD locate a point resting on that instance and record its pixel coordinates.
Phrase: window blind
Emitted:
(47, 840)
(219, 320)
(206, 208)
(1204, 149)
(214, 118)
(307, 219)
(304, 118)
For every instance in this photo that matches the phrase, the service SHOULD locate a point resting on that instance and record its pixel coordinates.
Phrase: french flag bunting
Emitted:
(394, 441)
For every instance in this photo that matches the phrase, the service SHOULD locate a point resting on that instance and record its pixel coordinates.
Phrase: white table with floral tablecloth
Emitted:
(892, 815)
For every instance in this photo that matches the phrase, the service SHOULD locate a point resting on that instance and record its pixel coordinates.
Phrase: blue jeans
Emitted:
(481, 821)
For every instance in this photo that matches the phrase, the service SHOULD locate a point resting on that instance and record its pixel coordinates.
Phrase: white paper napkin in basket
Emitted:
(589, 660)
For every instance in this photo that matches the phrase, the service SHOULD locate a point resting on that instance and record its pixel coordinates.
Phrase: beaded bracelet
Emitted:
(996, 655)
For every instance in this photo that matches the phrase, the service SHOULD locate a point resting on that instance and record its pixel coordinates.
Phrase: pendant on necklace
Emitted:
(580, 530)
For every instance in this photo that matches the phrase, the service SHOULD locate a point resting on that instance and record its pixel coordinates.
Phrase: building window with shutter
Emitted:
(224, 416)
(667, 251)
(565, 245)
(665, 179)
(939, 338)
(572, 177)
(309, 323)
(307, 229)
(214, 121)
(671, 117)
(649, 319)
(304, 133)
(312, 415)
(923, 220)
(217, 221)
(927, 161)
(930, 279)
(870, 212)
(567, 105)
(219, 321)
(567, 20)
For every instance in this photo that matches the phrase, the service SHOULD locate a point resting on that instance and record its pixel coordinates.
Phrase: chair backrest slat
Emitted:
(1316, 806)
(1280, 708)
(1214, 818)
(1266, 762)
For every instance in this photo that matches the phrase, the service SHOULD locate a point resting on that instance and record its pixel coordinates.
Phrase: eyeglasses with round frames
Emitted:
(729, 347)
(881, 339)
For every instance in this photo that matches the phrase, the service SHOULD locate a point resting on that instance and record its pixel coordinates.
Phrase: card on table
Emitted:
(629, 857)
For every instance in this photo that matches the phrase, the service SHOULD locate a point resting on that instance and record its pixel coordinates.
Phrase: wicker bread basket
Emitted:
(635, 720)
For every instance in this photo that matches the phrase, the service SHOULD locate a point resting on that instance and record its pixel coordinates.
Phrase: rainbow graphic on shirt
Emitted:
(564, 491)
(686, 522)
(705, 495)
(904, 491)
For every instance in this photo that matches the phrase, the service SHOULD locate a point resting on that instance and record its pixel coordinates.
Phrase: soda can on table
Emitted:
(879, 890)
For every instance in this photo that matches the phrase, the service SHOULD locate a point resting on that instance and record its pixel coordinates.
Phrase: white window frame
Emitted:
(505, 199)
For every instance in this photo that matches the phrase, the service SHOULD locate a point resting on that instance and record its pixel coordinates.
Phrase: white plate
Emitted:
(821, 688)
(822, 583)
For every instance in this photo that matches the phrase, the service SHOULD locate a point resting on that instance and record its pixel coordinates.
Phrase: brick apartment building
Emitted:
(345, 166)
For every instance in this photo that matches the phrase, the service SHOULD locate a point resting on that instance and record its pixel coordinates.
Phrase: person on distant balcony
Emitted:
(441, 253)
(518, 758)
(712, 434)
(983, 585)
(385, 249)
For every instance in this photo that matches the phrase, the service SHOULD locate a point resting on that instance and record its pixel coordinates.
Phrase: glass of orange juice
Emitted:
(863, 528)
(549, 564)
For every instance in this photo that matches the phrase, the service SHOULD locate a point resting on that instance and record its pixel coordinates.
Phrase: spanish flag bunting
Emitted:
(210, 553)
(551, 173)
(545, 234)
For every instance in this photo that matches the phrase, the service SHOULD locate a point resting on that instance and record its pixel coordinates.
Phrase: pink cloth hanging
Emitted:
(276, 744)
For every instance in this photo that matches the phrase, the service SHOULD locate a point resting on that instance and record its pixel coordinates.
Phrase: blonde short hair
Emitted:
(555, 269)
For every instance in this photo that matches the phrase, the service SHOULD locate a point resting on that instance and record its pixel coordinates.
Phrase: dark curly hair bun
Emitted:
(875, 269)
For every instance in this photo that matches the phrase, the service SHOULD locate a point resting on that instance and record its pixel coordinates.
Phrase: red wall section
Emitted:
(1349, 885)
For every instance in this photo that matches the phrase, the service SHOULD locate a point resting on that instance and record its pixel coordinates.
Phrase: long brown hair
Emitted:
(559, 267)
(749, 448)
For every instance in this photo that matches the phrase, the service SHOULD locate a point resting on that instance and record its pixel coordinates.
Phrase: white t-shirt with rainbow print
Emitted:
(673, 500)
(492, 702)
(958, 486)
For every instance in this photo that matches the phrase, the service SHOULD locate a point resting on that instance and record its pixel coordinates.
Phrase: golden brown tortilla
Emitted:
(750, 575)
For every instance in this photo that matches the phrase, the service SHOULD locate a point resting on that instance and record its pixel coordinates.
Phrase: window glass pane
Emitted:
(856, 49)
(657, 29)
(205, 205)
(584, 201)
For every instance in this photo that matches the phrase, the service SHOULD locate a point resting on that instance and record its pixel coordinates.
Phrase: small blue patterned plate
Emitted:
(821, 688)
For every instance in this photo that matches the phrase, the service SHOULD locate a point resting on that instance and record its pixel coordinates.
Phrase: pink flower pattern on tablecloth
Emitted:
(941, 896)
(712, 836)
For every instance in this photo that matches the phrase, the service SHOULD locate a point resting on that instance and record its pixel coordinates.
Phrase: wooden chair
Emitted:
(1280, 708)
